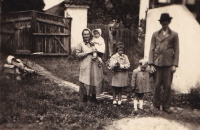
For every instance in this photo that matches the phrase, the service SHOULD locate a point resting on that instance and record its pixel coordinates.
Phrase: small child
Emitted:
(98, 44)
(16, 67)
(119, 63)
(141, 83)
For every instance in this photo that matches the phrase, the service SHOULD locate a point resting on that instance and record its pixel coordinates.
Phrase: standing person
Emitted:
(91, 75)
(141, 83)
(98, 42)
(163, 60)
(119, 63)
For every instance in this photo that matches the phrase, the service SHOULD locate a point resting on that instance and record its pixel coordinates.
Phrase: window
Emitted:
(164, 1)
(190, 2)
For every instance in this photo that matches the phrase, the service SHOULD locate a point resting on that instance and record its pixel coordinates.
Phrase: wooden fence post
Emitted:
(33, 30)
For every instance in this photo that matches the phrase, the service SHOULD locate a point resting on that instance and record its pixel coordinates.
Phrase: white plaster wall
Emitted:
(79, 22)
(144, 5)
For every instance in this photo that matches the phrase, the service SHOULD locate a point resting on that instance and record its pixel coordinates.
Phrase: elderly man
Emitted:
(163, 60)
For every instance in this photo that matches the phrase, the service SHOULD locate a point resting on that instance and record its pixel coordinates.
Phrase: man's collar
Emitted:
(168, 30)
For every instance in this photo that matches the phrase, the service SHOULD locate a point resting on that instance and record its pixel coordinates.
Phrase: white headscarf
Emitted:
(98, 29)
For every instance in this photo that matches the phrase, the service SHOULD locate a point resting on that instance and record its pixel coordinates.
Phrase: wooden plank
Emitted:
(50, 34)
(16, 20)
(18, 12)
(43, 54)
(52, 15)
(53, 23)
(33, 30)
(8, 38)
(7, 32)
(61, 44)
(53, 54)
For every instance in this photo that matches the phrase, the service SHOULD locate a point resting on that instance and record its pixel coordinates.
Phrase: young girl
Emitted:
(141, 83)
(97, 42)
(119, 63)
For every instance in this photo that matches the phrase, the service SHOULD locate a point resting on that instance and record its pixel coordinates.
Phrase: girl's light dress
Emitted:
(120, 77)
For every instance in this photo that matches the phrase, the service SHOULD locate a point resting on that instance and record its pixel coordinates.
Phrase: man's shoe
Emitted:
(94, 99)
(167, 110)
(85, 99)
(156, 108)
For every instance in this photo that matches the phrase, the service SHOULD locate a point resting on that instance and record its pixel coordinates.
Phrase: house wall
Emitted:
(79, 22)
(144, 6)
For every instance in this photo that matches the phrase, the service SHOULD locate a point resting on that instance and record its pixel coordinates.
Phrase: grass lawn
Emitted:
(37, 103)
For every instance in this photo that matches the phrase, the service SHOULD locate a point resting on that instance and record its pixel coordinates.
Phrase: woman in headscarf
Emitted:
(91, 75)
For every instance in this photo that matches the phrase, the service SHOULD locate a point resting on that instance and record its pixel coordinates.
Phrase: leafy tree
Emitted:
(21, 5)
(105, 11)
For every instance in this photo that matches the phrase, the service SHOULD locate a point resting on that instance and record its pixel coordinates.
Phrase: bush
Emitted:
(191, 99)
(194, 97)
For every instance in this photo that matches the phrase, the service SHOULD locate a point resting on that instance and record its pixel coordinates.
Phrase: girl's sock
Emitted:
(135, 104)
(141, 104)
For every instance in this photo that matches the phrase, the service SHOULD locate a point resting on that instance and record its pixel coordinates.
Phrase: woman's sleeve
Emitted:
(79, 51)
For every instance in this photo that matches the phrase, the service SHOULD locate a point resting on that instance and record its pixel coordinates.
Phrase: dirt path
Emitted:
(150, 123)
(42, 71)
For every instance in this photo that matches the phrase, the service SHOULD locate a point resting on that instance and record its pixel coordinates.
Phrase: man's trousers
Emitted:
(162, 78)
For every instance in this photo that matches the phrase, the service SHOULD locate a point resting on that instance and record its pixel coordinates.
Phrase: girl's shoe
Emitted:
(135, 112)
(114, 102)
(94, 99)
(119, 102)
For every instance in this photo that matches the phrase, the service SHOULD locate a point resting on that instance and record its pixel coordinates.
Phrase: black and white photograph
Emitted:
(99, 65)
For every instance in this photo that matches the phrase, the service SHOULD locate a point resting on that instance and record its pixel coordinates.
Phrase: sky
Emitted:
(50, 3)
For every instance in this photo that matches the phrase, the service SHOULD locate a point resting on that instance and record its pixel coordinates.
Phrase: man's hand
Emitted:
(173, 69)
(152, 69)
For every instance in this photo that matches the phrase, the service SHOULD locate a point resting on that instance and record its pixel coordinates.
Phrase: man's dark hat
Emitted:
(165, 17)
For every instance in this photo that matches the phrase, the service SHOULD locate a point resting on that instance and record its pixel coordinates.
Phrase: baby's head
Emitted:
(143, 64)
(96, 33)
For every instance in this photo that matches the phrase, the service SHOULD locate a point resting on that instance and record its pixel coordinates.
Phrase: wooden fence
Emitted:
(133, 49)
(27, 32)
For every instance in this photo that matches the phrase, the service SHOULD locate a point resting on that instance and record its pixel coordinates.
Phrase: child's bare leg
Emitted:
(135, 101)
(119, 96)
(100, 61)
(114, 95)
(94, 55)
(140, 95)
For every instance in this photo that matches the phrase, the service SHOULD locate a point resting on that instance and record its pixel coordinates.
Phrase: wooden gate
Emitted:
(28, 32)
